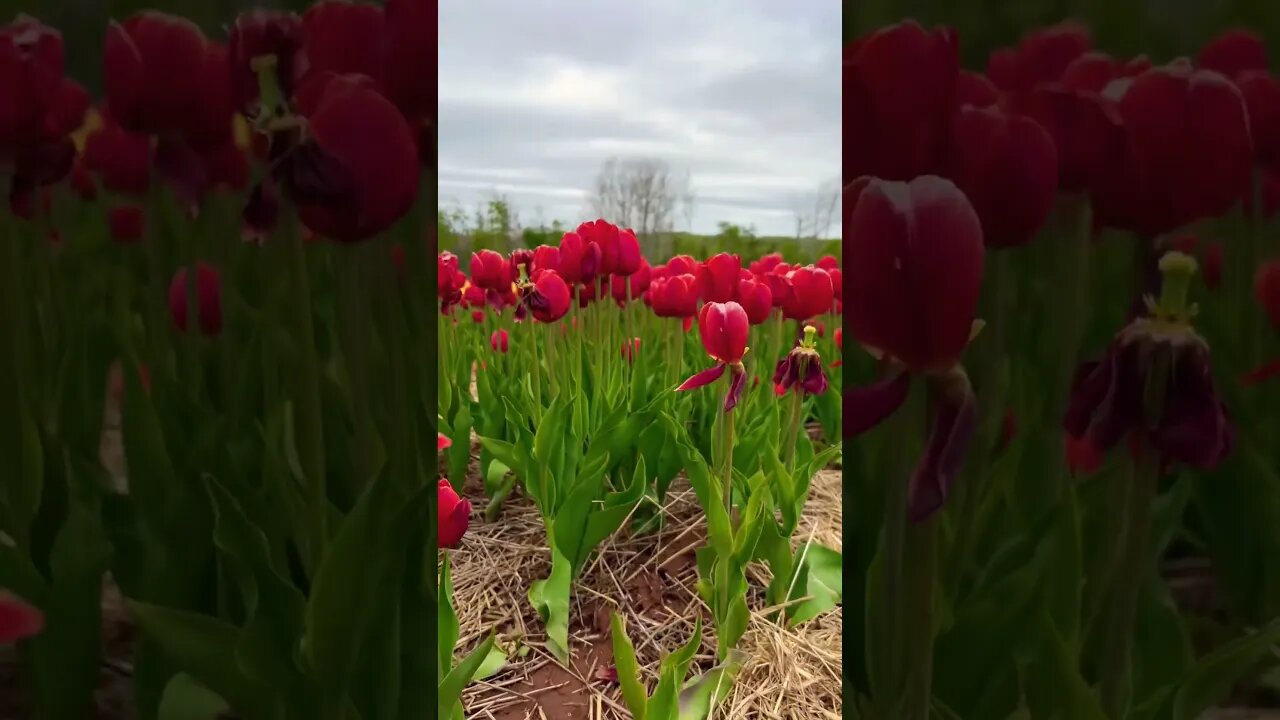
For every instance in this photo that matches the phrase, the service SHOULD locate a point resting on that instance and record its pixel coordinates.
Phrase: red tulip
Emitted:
(1042, 56)
(208, 299)
(718, 278)
(39, 108)
(630, 350)
(82, 182)
(18, 620)
(490, 270)
(801, 369)
(1090, 72)
(580, 259)
(1234, 52)
(410, 75)
(545, 257)
(682, 265)
(809, 293)
(211, 124)
(477, 316)
(121, 158)
(723, 328)
(225, 165)
(1266, 288)
(499, 341)
(1083, 458)
(975, 89)
(149, 64)
(636, 284)
(127, 223)
(1190, 155)
(365, 135)
(756, 298)
(453, 517)
(346, 37)
(259, 33)
(630, 258)
(674, 296)
(899, 84)
(1270, 193)
(915, 256)
(547, 297)
(1086, 131)
(605, 236)
(442, 441)
(1261, 93)
(766, 264)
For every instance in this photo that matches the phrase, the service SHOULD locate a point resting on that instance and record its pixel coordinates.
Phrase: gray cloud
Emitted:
(536, 94)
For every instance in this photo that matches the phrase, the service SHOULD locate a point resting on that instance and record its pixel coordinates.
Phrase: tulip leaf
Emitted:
(446, 618)
(449, 703)
(624, 659)
(665, 703)
(185, 698)
(700, 695)
(151, 474)
(493, 664)
(1211, 678)
(1052, 681)
(550, 597)
(598, 520)
(825, 569)
(205, 648)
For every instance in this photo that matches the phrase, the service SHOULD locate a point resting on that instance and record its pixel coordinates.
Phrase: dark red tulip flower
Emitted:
(580, 259)
(723, 328)
(1154, 384)
(449, 281)
(211, 125)
(346, 37)
(801, 369)
(490, 270)
(718, 278)
(1261, 94)
(899, 86)
(358, 174)
(915, 255)
(1234, 52)
(225, 166)
(765, 264)
(546, 296)
(1082, 457)
(149, 64)
(545, 257)
(499, 341)
(1090, 72)
(629, 260)
(756, 298)
(586, 294)
(1042, 56)
(1188, 155)
(82, 182)
(208, 299)
(683, 265)
(18, 620)
(809, 293)
(975, 89)
(605, 236)
(1086, 130)
(259, 34)
(453, 517)
(674, 296)
(127, 223)
(630, 287)
(411, 58)
(1007, 165)
(121, 159)
(1266, 288)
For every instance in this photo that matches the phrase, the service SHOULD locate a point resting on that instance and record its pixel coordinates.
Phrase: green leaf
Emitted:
(185, 698)
(1054, 686)
(205, 648)
(1212, 677)
(493, 663)
(450, 692)
(665, 703)
(702, 694)
(550, 597)
(446, 618)
(824, 586)
(624, 659)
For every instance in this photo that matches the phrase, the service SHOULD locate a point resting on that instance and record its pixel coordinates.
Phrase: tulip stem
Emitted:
(1116, 671)
(308, 417)
(919, 580)
(727, 476)
(793, 427)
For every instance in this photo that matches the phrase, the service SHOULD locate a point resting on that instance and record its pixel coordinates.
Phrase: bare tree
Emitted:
(814, 212)
(640, 193)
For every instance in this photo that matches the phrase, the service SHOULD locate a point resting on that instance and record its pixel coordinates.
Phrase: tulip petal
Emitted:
(705, 377)
(735, 389)
(18, 620)
(953, 427)
(442, 441)
(867, 407)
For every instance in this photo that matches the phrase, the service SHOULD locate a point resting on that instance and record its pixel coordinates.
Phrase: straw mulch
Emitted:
(791, 673)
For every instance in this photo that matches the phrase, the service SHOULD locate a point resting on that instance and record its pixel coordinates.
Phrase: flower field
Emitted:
(1063, 496)
(627, 446)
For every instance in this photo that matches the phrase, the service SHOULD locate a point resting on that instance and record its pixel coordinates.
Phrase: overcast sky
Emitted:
(536, 94)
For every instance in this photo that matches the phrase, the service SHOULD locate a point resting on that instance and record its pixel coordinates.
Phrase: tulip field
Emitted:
(628, 444)
(214, 300)
(1063, 268)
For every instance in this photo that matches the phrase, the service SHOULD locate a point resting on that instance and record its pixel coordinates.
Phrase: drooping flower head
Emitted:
(801, 369)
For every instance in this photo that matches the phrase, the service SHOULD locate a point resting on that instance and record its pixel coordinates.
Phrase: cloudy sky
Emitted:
(743, 94)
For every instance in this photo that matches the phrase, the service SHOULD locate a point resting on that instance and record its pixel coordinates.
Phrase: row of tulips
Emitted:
(238, 230)
(592, 394)
(1040, 426)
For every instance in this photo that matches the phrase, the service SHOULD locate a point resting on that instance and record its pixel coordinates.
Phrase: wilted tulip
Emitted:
(18, 620)
(546, 297)
(208, 298)
(361, 174)
(1008, 167)
(801, 368)
(1154, 384)
(453, 516)
(262, 33)
(723, 328)
(899, 86)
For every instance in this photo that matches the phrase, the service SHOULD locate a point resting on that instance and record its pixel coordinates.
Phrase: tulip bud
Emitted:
(454, 514)
(499, 341)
